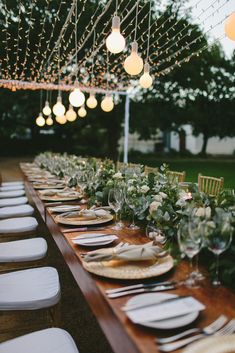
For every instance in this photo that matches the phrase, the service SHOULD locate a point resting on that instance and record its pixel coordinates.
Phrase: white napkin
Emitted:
(129, 253)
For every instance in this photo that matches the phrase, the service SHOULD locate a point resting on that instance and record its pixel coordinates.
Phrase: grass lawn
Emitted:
(212, 167)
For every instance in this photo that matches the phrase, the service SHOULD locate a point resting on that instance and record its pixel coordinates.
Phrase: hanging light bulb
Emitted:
(71, 114)
(76, 98)
(59, 108)
(133, 63)
(91, 101)
(46, 110)
(61, 119)
(82, 112)
(230, 26)
(146, 80)
(49, 121)
(107, 103)
(40, 121)
(115, 42)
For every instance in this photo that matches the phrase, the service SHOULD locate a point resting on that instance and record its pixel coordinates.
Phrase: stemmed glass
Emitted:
(82, 181)
(195, 232)
(190, 245)
(138, 204)
(217, 242)
(115, 201)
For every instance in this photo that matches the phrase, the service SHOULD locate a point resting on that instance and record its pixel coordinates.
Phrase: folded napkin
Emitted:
(142, 252)
(67, 193)
(87, 214)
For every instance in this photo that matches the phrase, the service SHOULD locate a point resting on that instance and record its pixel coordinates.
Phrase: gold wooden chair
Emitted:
(178, 177)
(148, 170)
(210, 185)
(121, 166)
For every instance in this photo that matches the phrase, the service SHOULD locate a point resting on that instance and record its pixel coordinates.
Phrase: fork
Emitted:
(226, 330)
(215, 325)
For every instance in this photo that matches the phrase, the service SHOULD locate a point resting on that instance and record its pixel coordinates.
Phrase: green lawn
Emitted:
(212, 167)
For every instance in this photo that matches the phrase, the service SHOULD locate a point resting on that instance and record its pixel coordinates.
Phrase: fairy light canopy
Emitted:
(33, 32)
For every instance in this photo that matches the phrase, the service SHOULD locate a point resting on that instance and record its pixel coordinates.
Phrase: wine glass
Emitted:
(82, 181)
(138, 204)
(195, 232)
(217, 242)
(190, 246)
(115, 200)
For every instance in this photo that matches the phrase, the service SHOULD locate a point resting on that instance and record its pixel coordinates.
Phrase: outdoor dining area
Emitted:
(128, 234)
(103, 248)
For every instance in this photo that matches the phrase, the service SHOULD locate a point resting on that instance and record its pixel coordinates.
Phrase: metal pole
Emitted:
(126, 129)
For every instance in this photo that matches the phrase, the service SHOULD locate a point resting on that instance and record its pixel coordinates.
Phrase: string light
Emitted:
(71, 114)
(40, 121)
(107, 104)
(49, 121)
(46, 110)
(59, 109)
(91, 101)
(61, 119)
(82, 112)
(115, 42)
(230, 26)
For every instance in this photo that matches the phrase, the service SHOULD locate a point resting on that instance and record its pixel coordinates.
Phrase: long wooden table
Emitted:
(123, 335)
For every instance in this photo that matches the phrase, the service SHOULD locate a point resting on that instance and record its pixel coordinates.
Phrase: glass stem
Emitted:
(196, 263)
(217, 267)
(133, 217)
(190, 266)
(116, 216)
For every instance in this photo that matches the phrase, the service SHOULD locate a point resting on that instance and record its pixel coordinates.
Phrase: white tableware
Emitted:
(64, 208)
(94, 239)
(171, 323)
(213, 344)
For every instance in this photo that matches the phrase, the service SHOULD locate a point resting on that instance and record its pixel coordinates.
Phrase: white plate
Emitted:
(167, 324)
(94, 239)
(213, 345)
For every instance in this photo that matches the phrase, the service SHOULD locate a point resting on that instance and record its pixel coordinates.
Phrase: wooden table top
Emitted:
(123, 335)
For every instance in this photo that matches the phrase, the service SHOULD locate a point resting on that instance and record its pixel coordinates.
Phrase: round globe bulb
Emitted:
(91, 101)
(46, 110)
(61, 119)
(146, 80)
(40, 121)
(107, 104)
(230, 26)
(133, 63)
(115, 42)
(49, 121)
(76, 98)
(71, 114)
(82, 112)
(58, 108)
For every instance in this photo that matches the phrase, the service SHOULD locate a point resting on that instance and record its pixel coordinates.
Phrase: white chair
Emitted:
(13, 201)
(18, 225)
(23, 250)
(11, 183)
(31, 289)
(16, 211)
(11, 187)
(53, 340)
(12, 193)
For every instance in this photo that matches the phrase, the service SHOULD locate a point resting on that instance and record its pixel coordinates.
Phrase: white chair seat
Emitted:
(51, 340)
(13, 201)
(9, 183)
(23, 250)
(12, 193)
(18, 225)
(16, 211)
(11, 187)
(30, 289)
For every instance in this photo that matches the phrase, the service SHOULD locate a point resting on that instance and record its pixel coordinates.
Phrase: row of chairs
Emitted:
(28, 287)
(210, 185)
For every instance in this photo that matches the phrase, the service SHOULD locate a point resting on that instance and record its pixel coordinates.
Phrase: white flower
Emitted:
(163, 195)
(200, 212)
(208, 212)
(131, 189)
(158, 198)
(154, 206)
(144, 189)
(117, 175)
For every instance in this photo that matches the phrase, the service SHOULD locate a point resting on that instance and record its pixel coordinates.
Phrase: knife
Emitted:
(83, 229)
(141, 290)
(137, 286)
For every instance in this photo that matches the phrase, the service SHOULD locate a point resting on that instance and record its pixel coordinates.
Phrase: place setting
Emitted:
(65, 194)
(84, 217)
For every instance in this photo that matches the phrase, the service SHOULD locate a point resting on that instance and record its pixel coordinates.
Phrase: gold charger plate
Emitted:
(130, 270)
(84, 222)
(223, 344)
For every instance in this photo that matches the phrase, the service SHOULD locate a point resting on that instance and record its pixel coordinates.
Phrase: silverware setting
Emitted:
(141, 290)
(215, 330)
(82, 229)
(137, 286)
